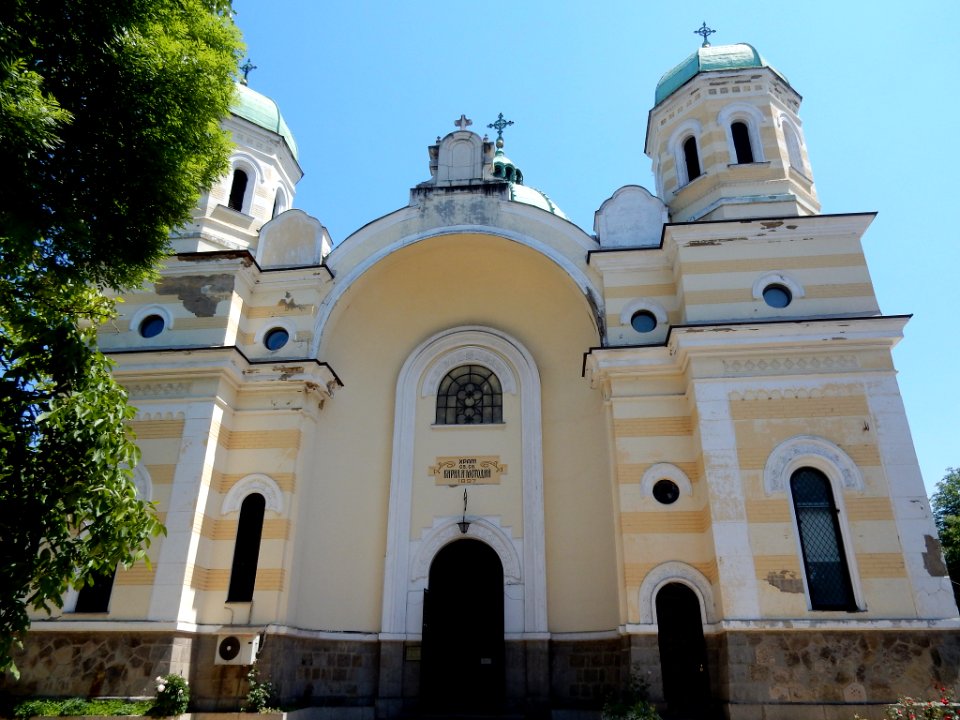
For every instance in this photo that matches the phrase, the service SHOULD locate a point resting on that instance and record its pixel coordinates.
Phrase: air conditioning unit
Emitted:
(237, 649)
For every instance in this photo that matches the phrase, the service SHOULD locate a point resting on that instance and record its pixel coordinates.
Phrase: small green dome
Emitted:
(264, 112)
(708, 59)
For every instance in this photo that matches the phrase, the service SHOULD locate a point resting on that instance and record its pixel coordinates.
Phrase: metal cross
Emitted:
(705, 32)
(499, 125)
(246, 69)
(463, 122)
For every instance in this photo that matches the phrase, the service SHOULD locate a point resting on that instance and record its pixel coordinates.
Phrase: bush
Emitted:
(632, 703)
(79, 706)
(908, 708)
(260, 693)
(173, 696)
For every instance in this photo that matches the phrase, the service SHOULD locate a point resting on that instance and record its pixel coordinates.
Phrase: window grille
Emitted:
(469, 395)
(825, 564)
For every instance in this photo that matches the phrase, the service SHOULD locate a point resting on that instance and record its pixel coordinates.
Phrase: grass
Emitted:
(80, 706)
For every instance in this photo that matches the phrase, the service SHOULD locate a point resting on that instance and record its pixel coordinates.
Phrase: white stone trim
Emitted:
(810, 451)
(665, 471)
(256, 483)
(793, 139)
(777, 277)
(143, 483)
(688, 128)
(399, 604)
(842, 473)
(750, 116)
(469, 355)
(651, 306)
(483, 529)
(346, 280)
(272, 324)
(146, 311)
(679, 572)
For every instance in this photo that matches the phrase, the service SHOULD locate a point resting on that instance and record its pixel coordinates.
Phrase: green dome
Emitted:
(708, 59)
(262, 111)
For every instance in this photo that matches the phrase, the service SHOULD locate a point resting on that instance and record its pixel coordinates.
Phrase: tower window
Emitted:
(777, 296)
(238, 190)
(246, 551)
(824, 561)
(691, 158)
(469, 395)
(741, 142)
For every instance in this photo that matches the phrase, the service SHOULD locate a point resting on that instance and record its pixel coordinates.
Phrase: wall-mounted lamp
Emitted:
(464, 524)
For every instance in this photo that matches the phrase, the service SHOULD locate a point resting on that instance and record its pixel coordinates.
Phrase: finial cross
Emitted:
(246, 69)
(499, 125)
(463, 122)
(705, 32)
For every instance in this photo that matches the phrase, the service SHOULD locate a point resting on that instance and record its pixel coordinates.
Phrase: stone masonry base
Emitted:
(755, 675)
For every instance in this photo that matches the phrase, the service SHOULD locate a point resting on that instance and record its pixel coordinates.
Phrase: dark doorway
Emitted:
(683, 653)
(462, 656)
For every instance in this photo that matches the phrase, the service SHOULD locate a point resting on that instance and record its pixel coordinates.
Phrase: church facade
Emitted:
(476, 458)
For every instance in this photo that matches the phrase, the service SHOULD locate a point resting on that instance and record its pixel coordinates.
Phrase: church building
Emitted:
(477, 459)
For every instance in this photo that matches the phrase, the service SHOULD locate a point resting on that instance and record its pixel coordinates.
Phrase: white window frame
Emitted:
(750, 116)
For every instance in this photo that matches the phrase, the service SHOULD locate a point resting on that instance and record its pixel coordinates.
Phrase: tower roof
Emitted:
(708, 59)
(264, 112)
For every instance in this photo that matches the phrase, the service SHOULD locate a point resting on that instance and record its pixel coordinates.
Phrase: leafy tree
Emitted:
(946, 512)
(109, 128)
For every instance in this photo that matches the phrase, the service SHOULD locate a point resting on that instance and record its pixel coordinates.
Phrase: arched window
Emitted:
(94, 597)
(246, 551)
(741, 142)
(821, 543)
(469, 395)
(793, 148)
(238, 190)
(691, 158)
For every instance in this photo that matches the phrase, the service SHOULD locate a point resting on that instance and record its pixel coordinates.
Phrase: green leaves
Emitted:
(109, 129)
(946, 513)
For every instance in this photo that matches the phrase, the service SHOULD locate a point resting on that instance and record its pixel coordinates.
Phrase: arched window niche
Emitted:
(741, 123)
(814, 474)
(238, 190)
(691, 158)
(684, 147)
(246, 549)
(469, 395)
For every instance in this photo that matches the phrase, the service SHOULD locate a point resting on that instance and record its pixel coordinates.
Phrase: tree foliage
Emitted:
(109, 128)
(946, 512)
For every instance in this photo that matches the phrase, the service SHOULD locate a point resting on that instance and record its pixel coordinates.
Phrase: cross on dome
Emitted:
(499, 125)
(705, 32)
(464, 122)
(246, 69)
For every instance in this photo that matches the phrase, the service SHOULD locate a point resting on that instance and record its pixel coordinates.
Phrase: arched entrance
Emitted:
(462, 656)
(683, 652)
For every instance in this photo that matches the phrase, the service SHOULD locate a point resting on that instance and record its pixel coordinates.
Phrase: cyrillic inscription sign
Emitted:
(480, 470)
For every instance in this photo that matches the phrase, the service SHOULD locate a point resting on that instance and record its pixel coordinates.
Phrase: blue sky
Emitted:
(367, 86)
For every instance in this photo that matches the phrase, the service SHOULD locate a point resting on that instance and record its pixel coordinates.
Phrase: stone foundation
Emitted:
(755, 675)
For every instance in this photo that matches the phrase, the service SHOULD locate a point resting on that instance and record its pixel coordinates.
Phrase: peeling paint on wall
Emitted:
(200, 294)
(785, 581)
(933, 557)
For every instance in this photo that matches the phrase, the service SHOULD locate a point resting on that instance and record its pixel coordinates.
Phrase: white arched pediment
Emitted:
(558, 240)
(479, 529)
(472, 355)
(680, 572)
(809, 450)
(256, 483)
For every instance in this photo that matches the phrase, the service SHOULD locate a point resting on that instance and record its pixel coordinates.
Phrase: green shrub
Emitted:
(260, 693)
(173, 696)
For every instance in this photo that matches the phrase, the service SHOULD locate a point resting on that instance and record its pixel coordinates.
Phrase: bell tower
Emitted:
(726, 139)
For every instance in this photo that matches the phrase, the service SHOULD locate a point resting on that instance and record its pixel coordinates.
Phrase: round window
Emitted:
(643, 321)
(666, 491)
(151, 326)
(777, 296)
(276, 338)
